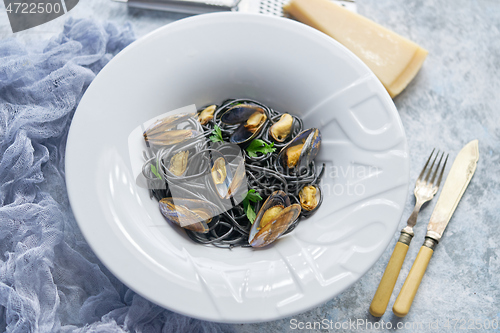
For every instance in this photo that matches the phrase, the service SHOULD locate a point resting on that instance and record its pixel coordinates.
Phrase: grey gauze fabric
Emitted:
(50, 280)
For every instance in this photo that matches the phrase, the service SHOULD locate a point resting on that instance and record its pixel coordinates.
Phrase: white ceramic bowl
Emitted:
(289, 67)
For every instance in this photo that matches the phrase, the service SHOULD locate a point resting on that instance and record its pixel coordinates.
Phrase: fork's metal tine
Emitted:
(430, 169)
(425, 166)
(442, 170)
(437, 168)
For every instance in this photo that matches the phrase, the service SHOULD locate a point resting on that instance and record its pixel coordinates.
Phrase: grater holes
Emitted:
(271, 7)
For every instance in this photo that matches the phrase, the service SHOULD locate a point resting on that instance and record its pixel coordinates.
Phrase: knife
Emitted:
(461, 172)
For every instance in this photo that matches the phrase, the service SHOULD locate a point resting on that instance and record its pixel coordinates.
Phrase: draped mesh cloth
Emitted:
(50, 280)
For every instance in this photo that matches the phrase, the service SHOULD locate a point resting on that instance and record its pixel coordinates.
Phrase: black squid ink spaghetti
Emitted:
(238, 174)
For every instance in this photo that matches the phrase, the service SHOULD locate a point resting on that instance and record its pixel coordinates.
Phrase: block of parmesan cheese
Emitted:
(394, 59)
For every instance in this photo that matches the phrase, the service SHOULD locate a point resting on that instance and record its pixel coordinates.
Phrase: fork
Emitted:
(425, 189)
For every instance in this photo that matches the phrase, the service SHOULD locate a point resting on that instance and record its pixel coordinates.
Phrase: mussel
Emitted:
(171, 137)
(192, 214)
(310, 196)
(226, 181)
(219, 171)
(280, 130)
(207, 114)
(274, 218)
(164, 132)
(302, 150)
(251, 117)
(238, 178)
(178, 163)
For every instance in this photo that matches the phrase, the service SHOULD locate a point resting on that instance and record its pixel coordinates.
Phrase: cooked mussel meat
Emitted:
(171, 137)
(238, 179)
(309, 197)
(227, 181)
(178, 163)
(293, 155)
(274, 218)
(302, 150)
(280, 130)
(270, 215)
(191, 214)
(207, 114)
(164, 132)
(166, 123)
(254, 121)
(219, 171)
(251, 119)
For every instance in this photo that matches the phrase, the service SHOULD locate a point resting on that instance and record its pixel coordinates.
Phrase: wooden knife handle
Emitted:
(386, 286)
(407, 294)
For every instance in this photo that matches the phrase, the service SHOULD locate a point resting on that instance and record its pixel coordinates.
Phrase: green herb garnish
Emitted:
(155, 171)
(250, 212)
(252, 196)
(259, 146)
(217, 134)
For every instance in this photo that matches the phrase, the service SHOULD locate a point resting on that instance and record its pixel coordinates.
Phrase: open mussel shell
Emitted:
(281, 129)
(221, 174)
(191, 214)
(274, 218)
(310, 198)
(164, 132)
(170, 137)
(251, 119)
(166, 123)
(238, 178)
(226, 181)
(302, 150)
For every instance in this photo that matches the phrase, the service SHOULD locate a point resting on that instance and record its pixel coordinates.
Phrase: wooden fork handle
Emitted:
(407, 294)
(386, 286)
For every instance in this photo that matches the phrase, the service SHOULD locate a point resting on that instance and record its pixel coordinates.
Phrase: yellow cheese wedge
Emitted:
(394, 59)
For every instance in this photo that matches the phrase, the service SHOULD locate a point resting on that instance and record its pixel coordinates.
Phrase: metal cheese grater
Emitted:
(267, 7)
(274, 7)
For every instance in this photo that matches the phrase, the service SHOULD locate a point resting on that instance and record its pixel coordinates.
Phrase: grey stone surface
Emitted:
(454, 99)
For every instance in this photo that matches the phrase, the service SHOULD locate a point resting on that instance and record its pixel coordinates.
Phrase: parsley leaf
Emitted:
(252, 196)
(155, 171)
(259, 146)
(249, 211)
(217, 134)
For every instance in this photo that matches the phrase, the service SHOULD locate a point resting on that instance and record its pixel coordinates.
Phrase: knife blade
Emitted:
(458, 179)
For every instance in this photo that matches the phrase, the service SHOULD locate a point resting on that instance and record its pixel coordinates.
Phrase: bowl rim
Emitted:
(207, 18)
